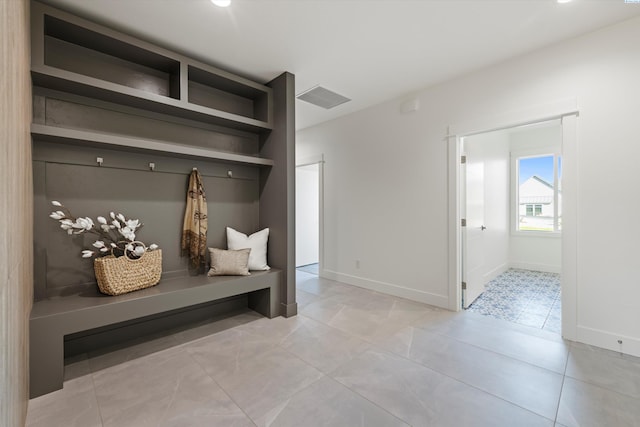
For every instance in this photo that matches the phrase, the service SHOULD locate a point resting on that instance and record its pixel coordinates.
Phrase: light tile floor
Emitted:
(310, 268)
(527, 297)
(352, 357)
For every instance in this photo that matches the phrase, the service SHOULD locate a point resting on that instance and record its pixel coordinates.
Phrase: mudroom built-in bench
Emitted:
(118, 126)
(54, 319)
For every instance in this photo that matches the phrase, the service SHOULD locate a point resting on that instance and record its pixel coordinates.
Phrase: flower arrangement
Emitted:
(116, 235)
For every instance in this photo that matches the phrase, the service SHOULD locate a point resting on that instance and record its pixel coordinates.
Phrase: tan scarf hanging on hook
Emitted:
(194, 230)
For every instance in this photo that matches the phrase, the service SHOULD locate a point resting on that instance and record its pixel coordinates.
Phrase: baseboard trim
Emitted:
(388, 288)
(289, 310)
(608, 340)
(495, 272)
(536, 267)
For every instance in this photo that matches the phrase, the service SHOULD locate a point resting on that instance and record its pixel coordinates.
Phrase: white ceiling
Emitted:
(368, 50)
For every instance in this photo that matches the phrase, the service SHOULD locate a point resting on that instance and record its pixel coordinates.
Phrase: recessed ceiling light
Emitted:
(563, 1)
(221, 3)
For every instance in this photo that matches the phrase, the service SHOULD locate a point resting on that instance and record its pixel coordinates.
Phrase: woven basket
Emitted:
(121, 275)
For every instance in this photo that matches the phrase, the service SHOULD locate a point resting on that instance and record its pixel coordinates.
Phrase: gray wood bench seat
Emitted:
(51, 319)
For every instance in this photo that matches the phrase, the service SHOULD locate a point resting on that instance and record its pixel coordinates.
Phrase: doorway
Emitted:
(511, 246)
(564, 113)
(309, 216)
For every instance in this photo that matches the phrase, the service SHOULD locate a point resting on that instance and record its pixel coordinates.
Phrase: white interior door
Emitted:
(473, 233)
(307, 214)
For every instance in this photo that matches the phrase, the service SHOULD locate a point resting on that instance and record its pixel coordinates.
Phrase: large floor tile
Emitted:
(322, 287)
(309, 268)
(255, 373)
(523, 384)
(605, 369)
(328, 403)
(586, 405)
(304, 298)
(549, 354)
(275, 330)
(422, 397)
(369, 317)
(73, 406)
(322, 346)
(165, 389)
(222, 350)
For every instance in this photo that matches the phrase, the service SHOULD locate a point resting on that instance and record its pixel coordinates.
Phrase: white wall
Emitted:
(386, 175)
(307, 219)
(493, 149)
(541, 253)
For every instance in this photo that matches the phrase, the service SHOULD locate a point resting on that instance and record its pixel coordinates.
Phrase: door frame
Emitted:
(567, 111)
(319, 160)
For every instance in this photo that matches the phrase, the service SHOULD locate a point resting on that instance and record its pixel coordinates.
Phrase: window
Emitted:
(538, 196)
(534, 210)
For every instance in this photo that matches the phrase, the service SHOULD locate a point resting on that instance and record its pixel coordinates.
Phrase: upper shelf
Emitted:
(77, 136)
(78, 56)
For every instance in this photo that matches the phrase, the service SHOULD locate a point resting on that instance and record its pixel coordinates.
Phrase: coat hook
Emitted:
(152, 166)
(195, 169)
(99, 160)
(230, 174)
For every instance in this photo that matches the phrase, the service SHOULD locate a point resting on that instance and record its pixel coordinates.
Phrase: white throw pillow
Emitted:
(257, 242)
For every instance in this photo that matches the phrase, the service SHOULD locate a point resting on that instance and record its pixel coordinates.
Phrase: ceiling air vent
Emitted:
(322, 97)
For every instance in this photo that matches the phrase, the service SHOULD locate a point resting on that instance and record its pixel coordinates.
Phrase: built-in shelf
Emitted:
(67, 81)
(102, 94)
(78, 136)
(77, 56)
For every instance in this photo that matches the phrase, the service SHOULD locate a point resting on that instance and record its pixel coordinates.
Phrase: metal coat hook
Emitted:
(230, 173)
(152, 166)
(99, 160)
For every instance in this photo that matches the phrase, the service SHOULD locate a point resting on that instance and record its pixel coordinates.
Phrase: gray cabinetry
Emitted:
(99, 93)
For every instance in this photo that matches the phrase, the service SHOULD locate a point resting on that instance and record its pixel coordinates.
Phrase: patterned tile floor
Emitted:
(527, 297)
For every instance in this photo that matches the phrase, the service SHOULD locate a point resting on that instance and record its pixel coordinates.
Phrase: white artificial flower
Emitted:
(57, 215)
(84, 224)
(127, 233)
(126, 228)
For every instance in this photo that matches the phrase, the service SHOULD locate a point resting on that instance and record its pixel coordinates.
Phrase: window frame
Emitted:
(516, 155)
